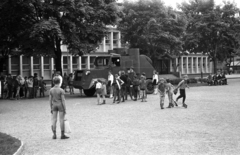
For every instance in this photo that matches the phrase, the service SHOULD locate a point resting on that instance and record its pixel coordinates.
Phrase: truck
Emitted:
(118, 59)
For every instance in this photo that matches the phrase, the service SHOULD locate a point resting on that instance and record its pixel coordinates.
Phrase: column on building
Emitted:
(9, 65)
(181, 68)
(88, 62)
(119, 40)
(206, 65)
(52, 66)
(201, 64)
(111, 41)
(104, 44)
(197, 65)
(192, 69)
(171, 63)
(21, 65)
(31, 65)
(42, 66)
(210, 67)
(80, 61)
(187, 65)
(70, 64)
(176, 60)
(61, 63)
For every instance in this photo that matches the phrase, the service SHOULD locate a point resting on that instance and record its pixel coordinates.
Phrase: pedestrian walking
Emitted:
(128, 88)
(169, 91)
(162, 91)
(58, 106)
(182, 86)
(155, 82)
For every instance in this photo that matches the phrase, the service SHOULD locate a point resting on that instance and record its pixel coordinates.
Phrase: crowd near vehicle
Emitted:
(119, 59)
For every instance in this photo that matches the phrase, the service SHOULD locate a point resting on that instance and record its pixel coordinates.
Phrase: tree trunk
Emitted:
(3, 61)
(58, 56)
(214, 65)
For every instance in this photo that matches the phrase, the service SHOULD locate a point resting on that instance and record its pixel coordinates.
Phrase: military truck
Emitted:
(115, 60)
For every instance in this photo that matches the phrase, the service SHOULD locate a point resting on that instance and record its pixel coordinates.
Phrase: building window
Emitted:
(65, 62)
(115, 38)
(36, 63)
(108, 38)
(75, 63)
(46, 62)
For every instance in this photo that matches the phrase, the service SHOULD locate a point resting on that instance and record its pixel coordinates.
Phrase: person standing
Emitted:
(162, 91)
(143, 88)
(131, 75)
(70, 83)
(155, 82)
(182, 86)
(30, 87)
(65, 82)
(110, 83)
(25, 87)
(35, 85)
(117, 88)
(128, 88)
(42, 86)
(123, 88)
(58, 106)
(169, 91)
(135, 87)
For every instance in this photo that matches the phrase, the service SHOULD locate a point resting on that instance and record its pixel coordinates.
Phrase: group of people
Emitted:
(123, 84)
(18, 87)
(217, 79)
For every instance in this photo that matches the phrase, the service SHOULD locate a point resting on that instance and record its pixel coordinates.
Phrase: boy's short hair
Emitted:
(56, 80)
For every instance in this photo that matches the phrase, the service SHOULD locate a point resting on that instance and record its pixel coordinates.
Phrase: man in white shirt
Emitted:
(110, 83)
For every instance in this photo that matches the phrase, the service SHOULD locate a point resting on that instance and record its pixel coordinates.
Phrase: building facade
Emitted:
(192, 64)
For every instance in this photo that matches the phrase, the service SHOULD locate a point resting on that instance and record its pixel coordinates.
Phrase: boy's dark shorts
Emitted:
(57, 107)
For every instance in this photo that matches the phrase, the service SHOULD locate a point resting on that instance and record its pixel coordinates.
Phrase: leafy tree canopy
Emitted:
(152, 27)
(211, 29)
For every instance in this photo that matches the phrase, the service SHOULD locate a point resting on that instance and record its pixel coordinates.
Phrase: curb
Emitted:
(20, 149)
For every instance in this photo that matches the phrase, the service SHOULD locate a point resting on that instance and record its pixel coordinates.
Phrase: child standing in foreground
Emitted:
(169, 91)
(162, 91)
(58, 106)
(182, 85)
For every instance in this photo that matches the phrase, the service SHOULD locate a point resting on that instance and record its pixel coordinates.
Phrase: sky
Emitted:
(173, 3)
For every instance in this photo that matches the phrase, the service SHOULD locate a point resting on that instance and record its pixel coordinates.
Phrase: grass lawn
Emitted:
(8, 145)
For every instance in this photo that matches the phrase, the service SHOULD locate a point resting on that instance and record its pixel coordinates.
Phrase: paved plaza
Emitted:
(210, 125)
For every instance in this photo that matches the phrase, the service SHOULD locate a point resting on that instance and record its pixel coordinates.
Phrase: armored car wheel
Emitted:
(89, 92)
(150, 87)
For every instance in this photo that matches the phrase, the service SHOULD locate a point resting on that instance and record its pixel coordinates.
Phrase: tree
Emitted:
(14, 20)
(79, 24)
(152, 27)
(212, 30)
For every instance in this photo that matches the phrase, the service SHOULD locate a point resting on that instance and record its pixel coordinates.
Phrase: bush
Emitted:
(8, 145)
